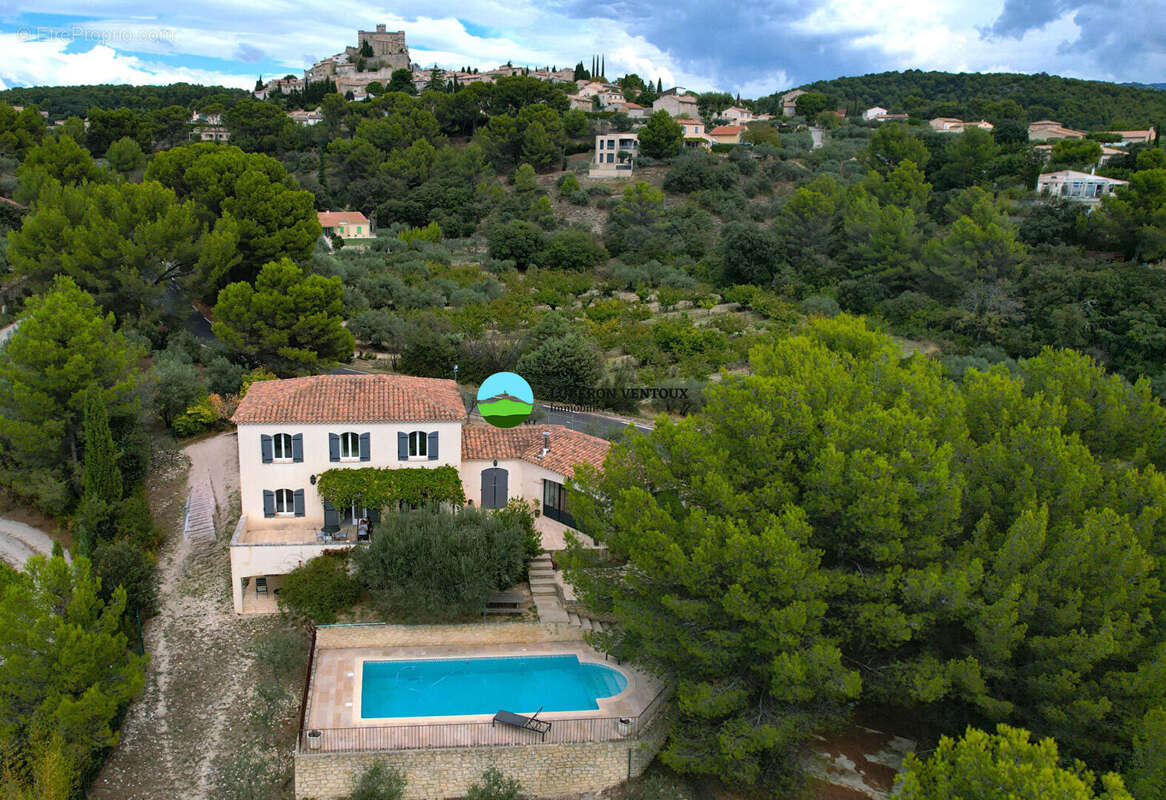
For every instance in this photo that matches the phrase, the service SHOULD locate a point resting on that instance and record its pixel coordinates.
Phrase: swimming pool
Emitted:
(454, 687)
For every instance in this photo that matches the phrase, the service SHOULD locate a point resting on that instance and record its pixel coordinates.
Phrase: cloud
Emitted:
(753, 48)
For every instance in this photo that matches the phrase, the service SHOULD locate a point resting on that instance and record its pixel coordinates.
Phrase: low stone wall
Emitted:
(378, 635)
(544, 770)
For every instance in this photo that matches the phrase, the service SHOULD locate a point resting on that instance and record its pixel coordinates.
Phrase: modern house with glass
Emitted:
(615, 155)
(290, 432)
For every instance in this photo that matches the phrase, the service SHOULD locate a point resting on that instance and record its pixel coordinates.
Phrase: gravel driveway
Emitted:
(18, 541)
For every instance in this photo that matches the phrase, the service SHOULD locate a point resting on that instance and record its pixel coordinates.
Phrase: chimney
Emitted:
(546, 444)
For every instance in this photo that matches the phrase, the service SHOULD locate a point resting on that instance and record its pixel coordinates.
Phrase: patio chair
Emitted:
(531, 723)
(261, 586)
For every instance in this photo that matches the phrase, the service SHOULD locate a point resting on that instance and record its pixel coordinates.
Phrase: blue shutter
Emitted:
(265, 448)
(298, 502)
(364, 447)
(333, 447)
(268, 503)
(402, 447)
(433, 446)
(298, 448)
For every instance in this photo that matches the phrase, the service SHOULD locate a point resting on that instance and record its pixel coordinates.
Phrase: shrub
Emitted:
(430, 233)
(198, 418)
(378, 782)
(432, 565)
(124, 564)
(494, 786)
(224, 376)
(377, 327)
(820, 304)
(573, 250)
(318, 589)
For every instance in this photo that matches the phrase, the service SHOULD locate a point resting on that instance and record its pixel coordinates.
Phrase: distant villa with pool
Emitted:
(290, 432)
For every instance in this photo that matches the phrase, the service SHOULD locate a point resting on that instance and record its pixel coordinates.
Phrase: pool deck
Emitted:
(335, 691)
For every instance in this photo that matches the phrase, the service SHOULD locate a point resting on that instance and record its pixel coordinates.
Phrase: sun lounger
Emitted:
(532, 723)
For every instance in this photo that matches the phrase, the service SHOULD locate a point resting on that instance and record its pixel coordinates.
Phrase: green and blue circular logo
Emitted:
(505, 400)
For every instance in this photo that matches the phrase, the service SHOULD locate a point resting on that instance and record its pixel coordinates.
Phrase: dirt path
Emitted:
(180, 728)
(18, 541)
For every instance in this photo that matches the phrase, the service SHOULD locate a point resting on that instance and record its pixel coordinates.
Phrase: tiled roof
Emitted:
(726, 130)
(525, 442)
(352, 398)
(330, 219)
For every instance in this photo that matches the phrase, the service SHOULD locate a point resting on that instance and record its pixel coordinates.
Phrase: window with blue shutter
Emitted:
(333, 447)
(268, 503)
(298, 448)
(265, 448)
(298, 502)
(433, 446)
(365, 455)
(402, 447)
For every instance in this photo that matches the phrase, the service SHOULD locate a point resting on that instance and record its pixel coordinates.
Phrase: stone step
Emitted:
(540, 570)
(597, 626)
(544, 591)
(586, 623)
(573, 618)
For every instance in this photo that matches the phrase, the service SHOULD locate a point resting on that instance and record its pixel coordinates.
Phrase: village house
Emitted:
(789, 102)
(292, 431)
(313, 117)
(727, 134)
(211, 133)
(694, 132)
(1083, 187)
(345, 224)
(953, 125)
(739, 115)
(202, 118)
(875, 113)
(677, 102)
(1136, 137)
(1046, 130)
(615, 155)
(633, 110)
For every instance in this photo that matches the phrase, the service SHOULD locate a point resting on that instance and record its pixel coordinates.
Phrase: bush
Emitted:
(430, 233)
(318, 589)
(573, 250)
(377, 327)
(223, 376)
(430, 565)
(378, 782)
(198, 418)
(124, 564)
(820, 304)
(494, 786)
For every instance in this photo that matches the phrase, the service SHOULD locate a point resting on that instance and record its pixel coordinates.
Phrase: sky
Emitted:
(752, 48)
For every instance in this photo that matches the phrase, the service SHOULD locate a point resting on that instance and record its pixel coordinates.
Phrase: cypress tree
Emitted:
(102, 476)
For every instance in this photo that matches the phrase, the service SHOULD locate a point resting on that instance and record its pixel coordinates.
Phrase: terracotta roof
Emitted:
(330, 219)
(726, 130)
(525, 442)
(632, 105)
(687, 121)
(351, 398)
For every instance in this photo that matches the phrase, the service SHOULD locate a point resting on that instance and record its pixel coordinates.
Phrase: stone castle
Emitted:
(389, 50)
(389, 53)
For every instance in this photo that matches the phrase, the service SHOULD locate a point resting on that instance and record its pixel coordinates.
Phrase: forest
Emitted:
(929, 393)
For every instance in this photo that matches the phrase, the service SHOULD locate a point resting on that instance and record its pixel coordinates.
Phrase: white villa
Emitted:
(291, 431)
(1084, 187)
(615, 155)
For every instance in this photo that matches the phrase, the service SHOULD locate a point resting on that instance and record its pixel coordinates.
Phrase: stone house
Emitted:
(789, 102)
(1046, 130)
(678, 105)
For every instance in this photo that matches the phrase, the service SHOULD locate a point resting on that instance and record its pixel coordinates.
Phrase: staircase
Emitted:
(545, 591)
(200, 517)
(585, 622)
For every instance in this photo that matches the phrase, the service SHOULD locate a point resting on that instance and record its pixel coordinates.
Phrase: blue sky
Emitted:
(754, 48)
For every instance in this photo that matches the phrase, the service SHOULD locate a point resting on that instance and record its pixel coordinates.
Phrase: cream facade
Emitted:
(1082, 187)
(615, 155)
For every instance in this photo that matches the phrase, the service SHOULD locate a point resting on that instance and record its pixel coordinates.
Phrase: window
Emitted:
(285, 505)
(349, 447)
(418, 444)
(281, 446)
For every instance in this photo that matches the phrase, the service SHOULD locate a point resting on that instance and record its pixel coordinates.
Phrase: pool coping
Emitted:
(333, 703)
(584, 713)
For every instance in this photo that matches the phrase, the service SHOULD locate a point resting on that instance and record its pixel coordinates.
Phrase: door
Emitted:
(494, 487)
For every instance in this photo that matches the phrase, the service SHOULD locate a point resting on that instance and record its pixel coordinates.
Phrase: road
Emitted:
(19, 541)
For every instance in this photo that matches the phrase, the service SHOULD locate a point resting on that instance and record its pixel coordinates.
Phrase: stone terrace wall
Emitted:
(544, 770)
(378, 635)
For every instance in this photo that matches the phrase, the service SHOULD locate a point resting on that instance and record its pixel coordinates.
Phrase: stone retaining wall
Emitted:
(378, 635)
(544, 770)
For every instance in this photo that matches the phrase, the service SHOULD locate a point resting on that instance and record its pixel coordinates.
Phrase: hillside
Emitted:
(1092, 105)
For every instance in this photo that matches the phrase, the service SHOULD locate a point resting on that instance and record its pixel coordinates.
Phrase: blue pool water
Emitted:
(451, 687)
